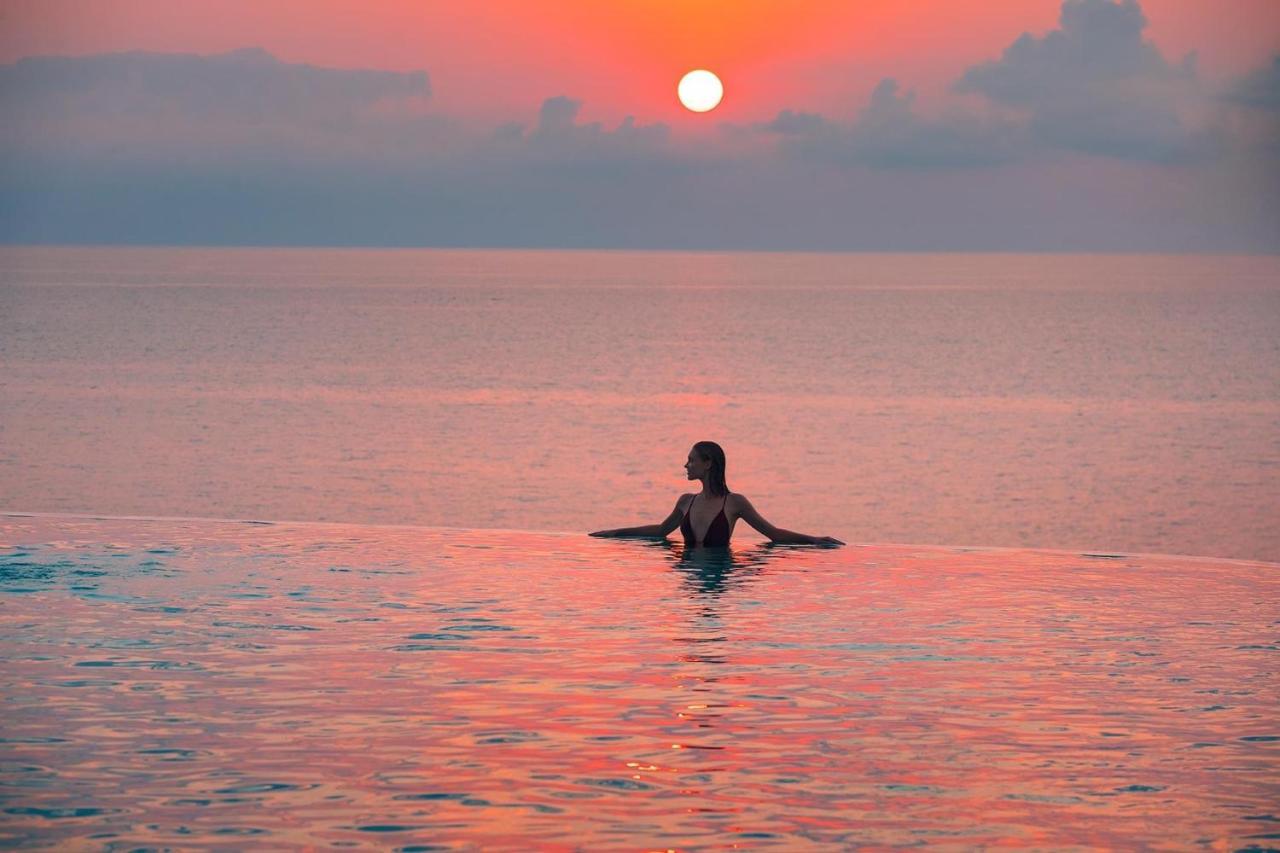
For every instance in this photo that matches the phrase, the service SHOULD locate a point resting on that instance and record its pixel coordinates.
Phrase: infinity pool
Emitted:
(225, 684)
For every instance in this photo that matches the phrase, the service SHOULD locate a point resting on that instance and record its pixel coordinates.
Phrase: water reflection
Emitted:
(338, 686)
(708, 573)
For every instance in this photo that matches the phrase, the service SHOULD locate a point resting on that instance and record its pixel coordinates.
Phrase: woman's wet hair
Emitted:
(713, 453)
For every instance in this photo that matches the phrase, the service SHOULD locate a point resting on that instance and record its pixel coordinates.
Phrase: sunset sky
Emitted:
(879, 124)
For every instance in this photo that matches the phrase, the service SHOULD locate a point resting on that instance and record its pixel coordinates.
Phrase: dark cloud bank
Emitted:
(1082, 138)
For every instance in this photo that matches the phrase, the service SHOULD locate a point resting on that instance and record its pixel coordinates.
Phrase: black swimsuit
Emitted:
(717, 534)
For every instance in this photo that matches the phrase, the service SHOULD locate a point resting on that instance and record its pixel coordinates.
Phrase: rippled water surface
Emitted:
(174, 683)
(1046, 401)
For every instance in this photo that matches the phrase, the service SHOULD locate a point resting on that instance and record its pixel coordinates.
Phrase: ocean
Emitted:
(1129, 403)
(293, 552)
(239, 685)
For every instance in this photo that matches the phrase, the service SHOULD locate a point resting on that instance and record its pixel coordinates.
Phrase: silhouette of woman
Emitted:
(714, 510)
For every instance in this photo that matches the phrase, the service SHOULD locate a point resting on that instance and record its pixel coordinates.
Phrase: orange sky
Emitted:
(498, 59)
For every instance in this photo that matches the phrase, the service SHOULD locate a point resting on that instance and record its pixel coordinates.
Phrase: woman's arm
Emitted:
(671, 522)
(777, 534)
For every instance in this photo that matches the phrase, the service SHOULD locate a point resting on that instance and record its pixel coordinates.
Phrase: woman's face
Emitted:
(696, 466)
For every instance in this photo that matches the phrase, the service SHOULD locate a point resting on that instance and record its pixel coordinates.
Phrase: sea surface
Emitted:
(218, 685)
(1127, 403)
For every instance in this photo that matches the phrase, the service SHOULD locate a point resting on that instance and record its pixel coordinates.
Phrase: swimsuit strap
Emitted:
(689, 508)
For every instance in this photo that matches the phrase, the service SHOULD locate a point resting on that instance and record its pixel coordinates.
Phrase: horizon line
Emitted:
(537, 247)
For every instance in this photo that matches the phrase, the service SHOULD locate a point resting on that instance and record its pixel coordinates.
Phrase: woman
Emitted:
(708, 517)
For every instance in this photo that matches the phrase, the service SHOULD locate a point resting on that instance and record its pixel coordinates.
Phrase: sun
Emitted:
(700, 91)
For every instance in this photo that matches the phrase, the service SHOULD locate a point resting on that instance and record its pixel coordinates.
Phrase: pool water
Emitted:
(234, 684)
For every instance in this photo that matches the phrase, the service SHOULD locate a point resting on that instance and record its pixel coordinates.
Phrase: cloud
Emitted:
(559, 133)
(247, 85)
(1259, 89)
(1094, 85)
(558, 117)
(888, 133)
(187, 107)
(247, 108)
(241, 147)
(789, 123)
(244, 149)
(1099, 42)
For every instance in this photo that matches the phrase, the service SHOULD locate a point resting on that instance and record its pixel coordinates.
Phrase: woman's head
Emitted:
(706, 459)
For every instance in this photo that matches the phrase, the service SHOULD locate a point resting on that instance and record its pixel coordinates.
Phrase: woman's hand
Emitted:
(825, 540)
(604, 533)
